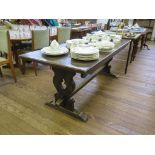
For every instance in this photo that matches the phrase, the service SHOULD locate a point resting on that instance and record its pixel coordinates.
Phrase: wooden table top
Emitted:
(132, 38)
(138, 34)
(81, 28)
(66, 62)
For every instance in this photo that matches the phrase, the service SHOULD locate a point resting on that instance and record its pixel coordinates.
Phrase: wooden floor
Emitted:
(116, 106)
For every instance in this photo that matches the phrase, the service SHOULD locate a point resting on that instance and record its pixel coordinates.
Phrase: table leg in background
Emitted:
(128, 56)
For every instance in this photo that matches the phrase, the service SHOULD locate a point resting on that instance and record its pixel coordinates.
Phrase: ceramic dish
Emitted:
(85, 53)
(54, 52)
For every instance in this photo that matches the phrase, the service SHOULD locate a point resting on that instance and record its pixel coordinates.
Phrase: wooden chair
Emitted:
(40, 39)
(5, 47)
(64, 33)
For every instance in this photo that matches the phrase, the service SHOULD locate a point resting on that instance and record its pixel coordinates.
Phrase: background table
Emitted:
(16, 44)
(133, 46)
(79, 32)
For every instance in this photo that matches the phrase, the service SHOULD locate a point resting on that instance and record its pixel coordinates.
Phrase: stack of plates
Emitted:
(116, 38)
(103, 45)
(98, 32)
(92, 37)
(75, 42)
(105, 37)
(53, 51)
(85, 53)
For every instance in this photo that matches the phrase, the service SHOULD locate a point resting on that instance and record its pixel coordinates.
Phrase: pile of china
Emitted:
(89, 47)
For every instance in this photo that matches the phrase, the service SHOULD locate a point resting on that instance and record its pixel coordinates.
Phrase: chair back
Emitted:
(40, 39)
(8, 24)
(64, 33)
(4, 41)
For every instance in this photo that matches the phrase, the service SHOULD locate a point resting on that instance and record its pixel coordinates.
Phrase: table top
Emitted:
(67, 63)
(132, 38)
(138, 34)
(81, 28)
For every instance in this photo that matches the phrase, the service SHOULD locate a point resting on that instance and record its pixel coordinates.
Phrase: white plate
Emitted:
(103, 45)
(54, 52)
(85, 50)
(80, 57)
(85, 54)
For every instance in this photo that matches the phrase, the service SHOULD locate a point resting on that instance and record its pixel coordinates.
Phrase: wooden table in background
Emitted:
(65, 69)
(16, 45)
(133, 45)
(79, 32)
(18, 41)
(144, 39)
(139, 37)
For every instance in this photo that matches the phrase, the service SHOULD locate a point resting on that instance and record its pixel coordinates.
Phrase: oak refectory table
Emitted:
(65, 68)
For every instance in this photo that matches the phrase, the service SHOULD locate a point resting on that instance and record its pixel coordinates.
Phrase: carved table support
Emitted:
(65, 85)
(107, 70)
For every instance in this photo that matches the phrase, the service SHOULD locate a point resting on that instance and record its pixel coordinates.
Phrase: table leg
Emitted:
(22, 65)
(1, 74)
(65, 85)
(15, 55)
(107, 70)
(142, 41)
(134, 50)
(127, 62)
(145, 45)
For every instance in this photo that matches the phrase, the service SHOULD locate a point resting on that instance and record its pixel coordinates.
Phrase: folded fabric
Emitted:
(136, 25)
(54, 44)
